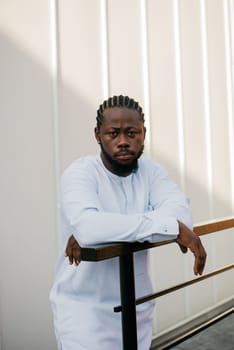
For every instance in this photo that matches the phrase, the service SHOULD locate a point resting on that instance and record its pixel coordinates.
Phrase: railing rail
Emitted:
(178, 286)
(125, 253)
(115, 249)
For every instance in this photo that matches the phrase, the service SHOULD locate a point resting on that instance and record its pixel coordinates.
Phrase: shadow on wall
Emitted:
(28, 207)
(199, 195)
(29, 243)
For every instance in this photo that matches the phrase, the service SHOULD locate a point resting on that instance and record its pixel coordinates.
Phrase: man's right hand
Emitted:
(73, 251)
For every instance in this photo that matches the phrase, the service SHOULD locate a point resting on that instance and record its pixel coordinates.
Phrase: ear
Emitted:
(97, 134)
(144, 131)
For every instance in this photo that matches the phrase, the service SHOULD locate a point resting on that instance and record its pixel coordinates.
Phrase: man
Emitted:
(117, 196)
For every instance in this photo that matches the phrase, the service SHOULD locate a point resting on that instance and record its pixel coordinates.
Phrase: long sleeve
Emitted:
(90, 225)
(167, 200)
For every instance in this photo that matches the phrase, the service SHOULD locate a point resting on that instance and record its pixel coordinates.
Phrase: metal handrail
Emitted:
(125, 253)
(177, 287)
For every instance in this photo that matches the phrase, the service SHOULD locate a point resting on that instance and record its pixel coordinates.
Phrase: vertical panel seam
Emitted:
(146, 90)
(179, 92)
(206, 91)
(55, 67)
(180, 120)
(207, 107)
(228, 23)
(231, 121)
(145, 74)
(104, 50)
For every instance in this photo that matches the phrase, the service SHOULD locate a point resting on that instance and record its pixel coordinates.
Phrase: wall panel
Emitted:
(80, 84)
(167, 269)
(219, 112)
(193, 108)
(194, 122)
(224, 256)
(124, 43)
(165, 132)
(163, 94)
(27, 203)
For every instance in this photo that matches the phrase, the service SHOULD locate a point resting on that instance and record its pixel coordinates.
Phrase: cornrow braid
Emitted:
(118, 101)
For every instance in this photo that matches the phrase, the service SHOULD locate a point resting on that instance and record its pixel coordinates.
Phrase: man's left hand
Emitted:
(187, 239)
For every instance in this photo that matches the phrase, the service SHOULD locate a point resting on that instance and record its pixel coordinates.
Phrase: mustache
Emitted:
(122, 153)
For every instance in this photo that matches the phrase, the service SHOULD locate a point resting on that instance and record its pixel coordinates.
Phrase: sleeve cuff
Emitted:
(162, 229)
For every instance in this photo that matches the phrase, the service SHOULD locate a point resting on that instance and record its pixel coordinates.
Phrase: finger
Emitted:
(68, 254)
(70, 243)
(77, 253)
(77, 260)
(70, 257)
(198, 267)
(200, 260)
(201, 264)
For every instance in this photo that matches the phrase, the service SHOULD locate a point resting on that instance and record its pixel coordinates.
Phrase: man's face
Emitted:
(121, 137)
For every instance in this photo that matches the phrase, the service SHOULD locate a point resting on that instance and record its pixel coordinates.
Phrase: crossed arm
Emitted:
(169, 218)
(186, 239)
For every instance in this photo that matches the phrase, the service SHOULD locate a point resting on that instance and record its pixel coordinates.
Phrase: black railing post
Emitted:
(127, 291)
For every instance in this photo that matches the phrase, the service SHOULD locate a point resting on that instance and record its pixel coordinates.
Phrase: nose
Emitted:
(123, 141)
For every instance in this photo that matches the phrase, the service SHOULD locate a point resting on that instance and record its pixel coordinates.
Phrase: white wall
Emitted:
(58, 61)
(28, 225)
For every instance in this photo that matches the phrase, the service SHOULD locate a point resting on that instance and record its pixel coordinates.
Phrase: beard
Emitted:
(120, 168)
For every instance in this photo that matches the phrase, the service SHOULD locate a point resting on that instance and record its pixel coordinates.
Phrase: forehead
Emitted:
(119, 115)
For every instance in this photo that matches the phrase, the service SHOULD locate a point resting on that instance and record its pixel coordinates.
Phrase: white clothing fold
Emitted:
(100, 207)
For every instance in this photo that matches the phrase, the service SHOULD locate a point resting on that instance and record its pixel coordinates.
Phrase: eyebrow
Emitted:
(127, 128)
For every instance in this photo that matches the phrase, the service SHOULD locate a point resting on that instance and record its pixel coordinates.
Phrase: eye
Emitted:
(112, 133)
(132, 133)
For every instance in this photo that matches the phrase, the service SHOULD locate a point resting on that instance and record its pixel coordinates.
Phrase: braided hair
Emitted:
(118, 101)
